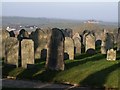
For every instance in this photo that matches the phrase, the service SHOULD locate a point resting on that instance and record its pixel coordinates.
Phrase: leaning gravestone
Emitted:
(27, 52)
(11, 51)
(69, 48)
(55, 57)
(111, 55)
(77, 45)
(90, 43)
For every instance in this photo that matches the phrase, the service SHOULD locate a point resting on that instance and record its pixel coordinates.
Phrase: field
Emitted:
(85, 70)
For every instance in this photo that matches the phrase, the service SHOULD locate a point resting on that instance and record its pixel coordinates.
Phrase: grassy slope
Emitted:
(85, 70)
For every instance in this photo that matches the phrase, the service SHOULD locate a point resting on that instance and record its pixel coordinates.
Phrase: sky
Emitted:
(104, 11)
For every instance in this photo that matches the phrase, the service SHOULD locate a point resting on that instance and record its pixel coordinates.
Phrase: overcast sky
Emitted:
(105, 11)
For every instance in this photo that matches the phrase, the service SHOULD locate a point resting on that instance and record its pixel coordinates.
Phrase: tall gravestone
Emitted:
(11, 51)
(55, 57)
(111, 55)
(27, 52)
(90, 43)
(69, 48)
(77, 45)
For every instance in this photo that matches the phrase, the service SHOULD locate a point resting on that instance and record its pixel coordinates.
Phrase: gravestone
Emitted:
(69, 48)
(111, 55)
(103, 44)
(0, 43)
(27, 52)
(55, 57)
(68, 32)
(90, 43)
(85, 32)
(11, 51)
(40, 39)
(5, 36)
(77, 46)
(12, 34)
(76, 35)
(109, 41)
(23, 34)
(118, 42)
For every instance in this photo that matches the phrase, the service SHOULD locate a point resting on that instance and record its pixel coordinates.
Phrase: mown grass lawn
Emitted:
(85, 70)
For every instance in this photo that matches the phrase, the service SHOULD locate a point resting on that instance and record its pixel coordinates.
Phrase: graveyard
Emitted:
(88, 58)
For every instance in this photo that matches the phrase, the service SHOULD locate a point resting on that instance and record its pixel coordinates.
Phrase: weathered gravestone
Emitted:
(5, 36)
(118, 42)
(69, 48)
(107, 42)
(103, 44)
(90, 43)
(11, 51)
(12, 34)
(27, 52)
(76, 35)
(55, 57)
(40, 39)
(0, 43)
(111, 55)
(68, 32)
(77, 45)
(85, 32)
(23, 34)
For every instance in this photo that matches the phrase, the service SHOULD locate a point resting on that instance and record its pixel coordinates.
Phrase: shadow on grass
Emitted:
(46, 75)
(6, 69)
(99, 78)
(118, 55)
(81, 56)
(96, 57)
(29, 72)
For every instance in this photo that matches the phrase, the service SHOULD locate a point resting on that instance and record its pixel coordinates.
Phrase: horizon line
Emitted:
(61, 18)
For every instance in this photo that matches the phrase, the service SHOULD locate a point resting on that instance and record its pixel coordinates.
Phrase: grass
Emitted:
(85, 70)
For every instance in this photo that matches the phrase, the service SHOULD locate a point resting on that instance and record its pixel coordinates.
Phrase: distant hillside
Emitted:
(77, 25)
(37, 21)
